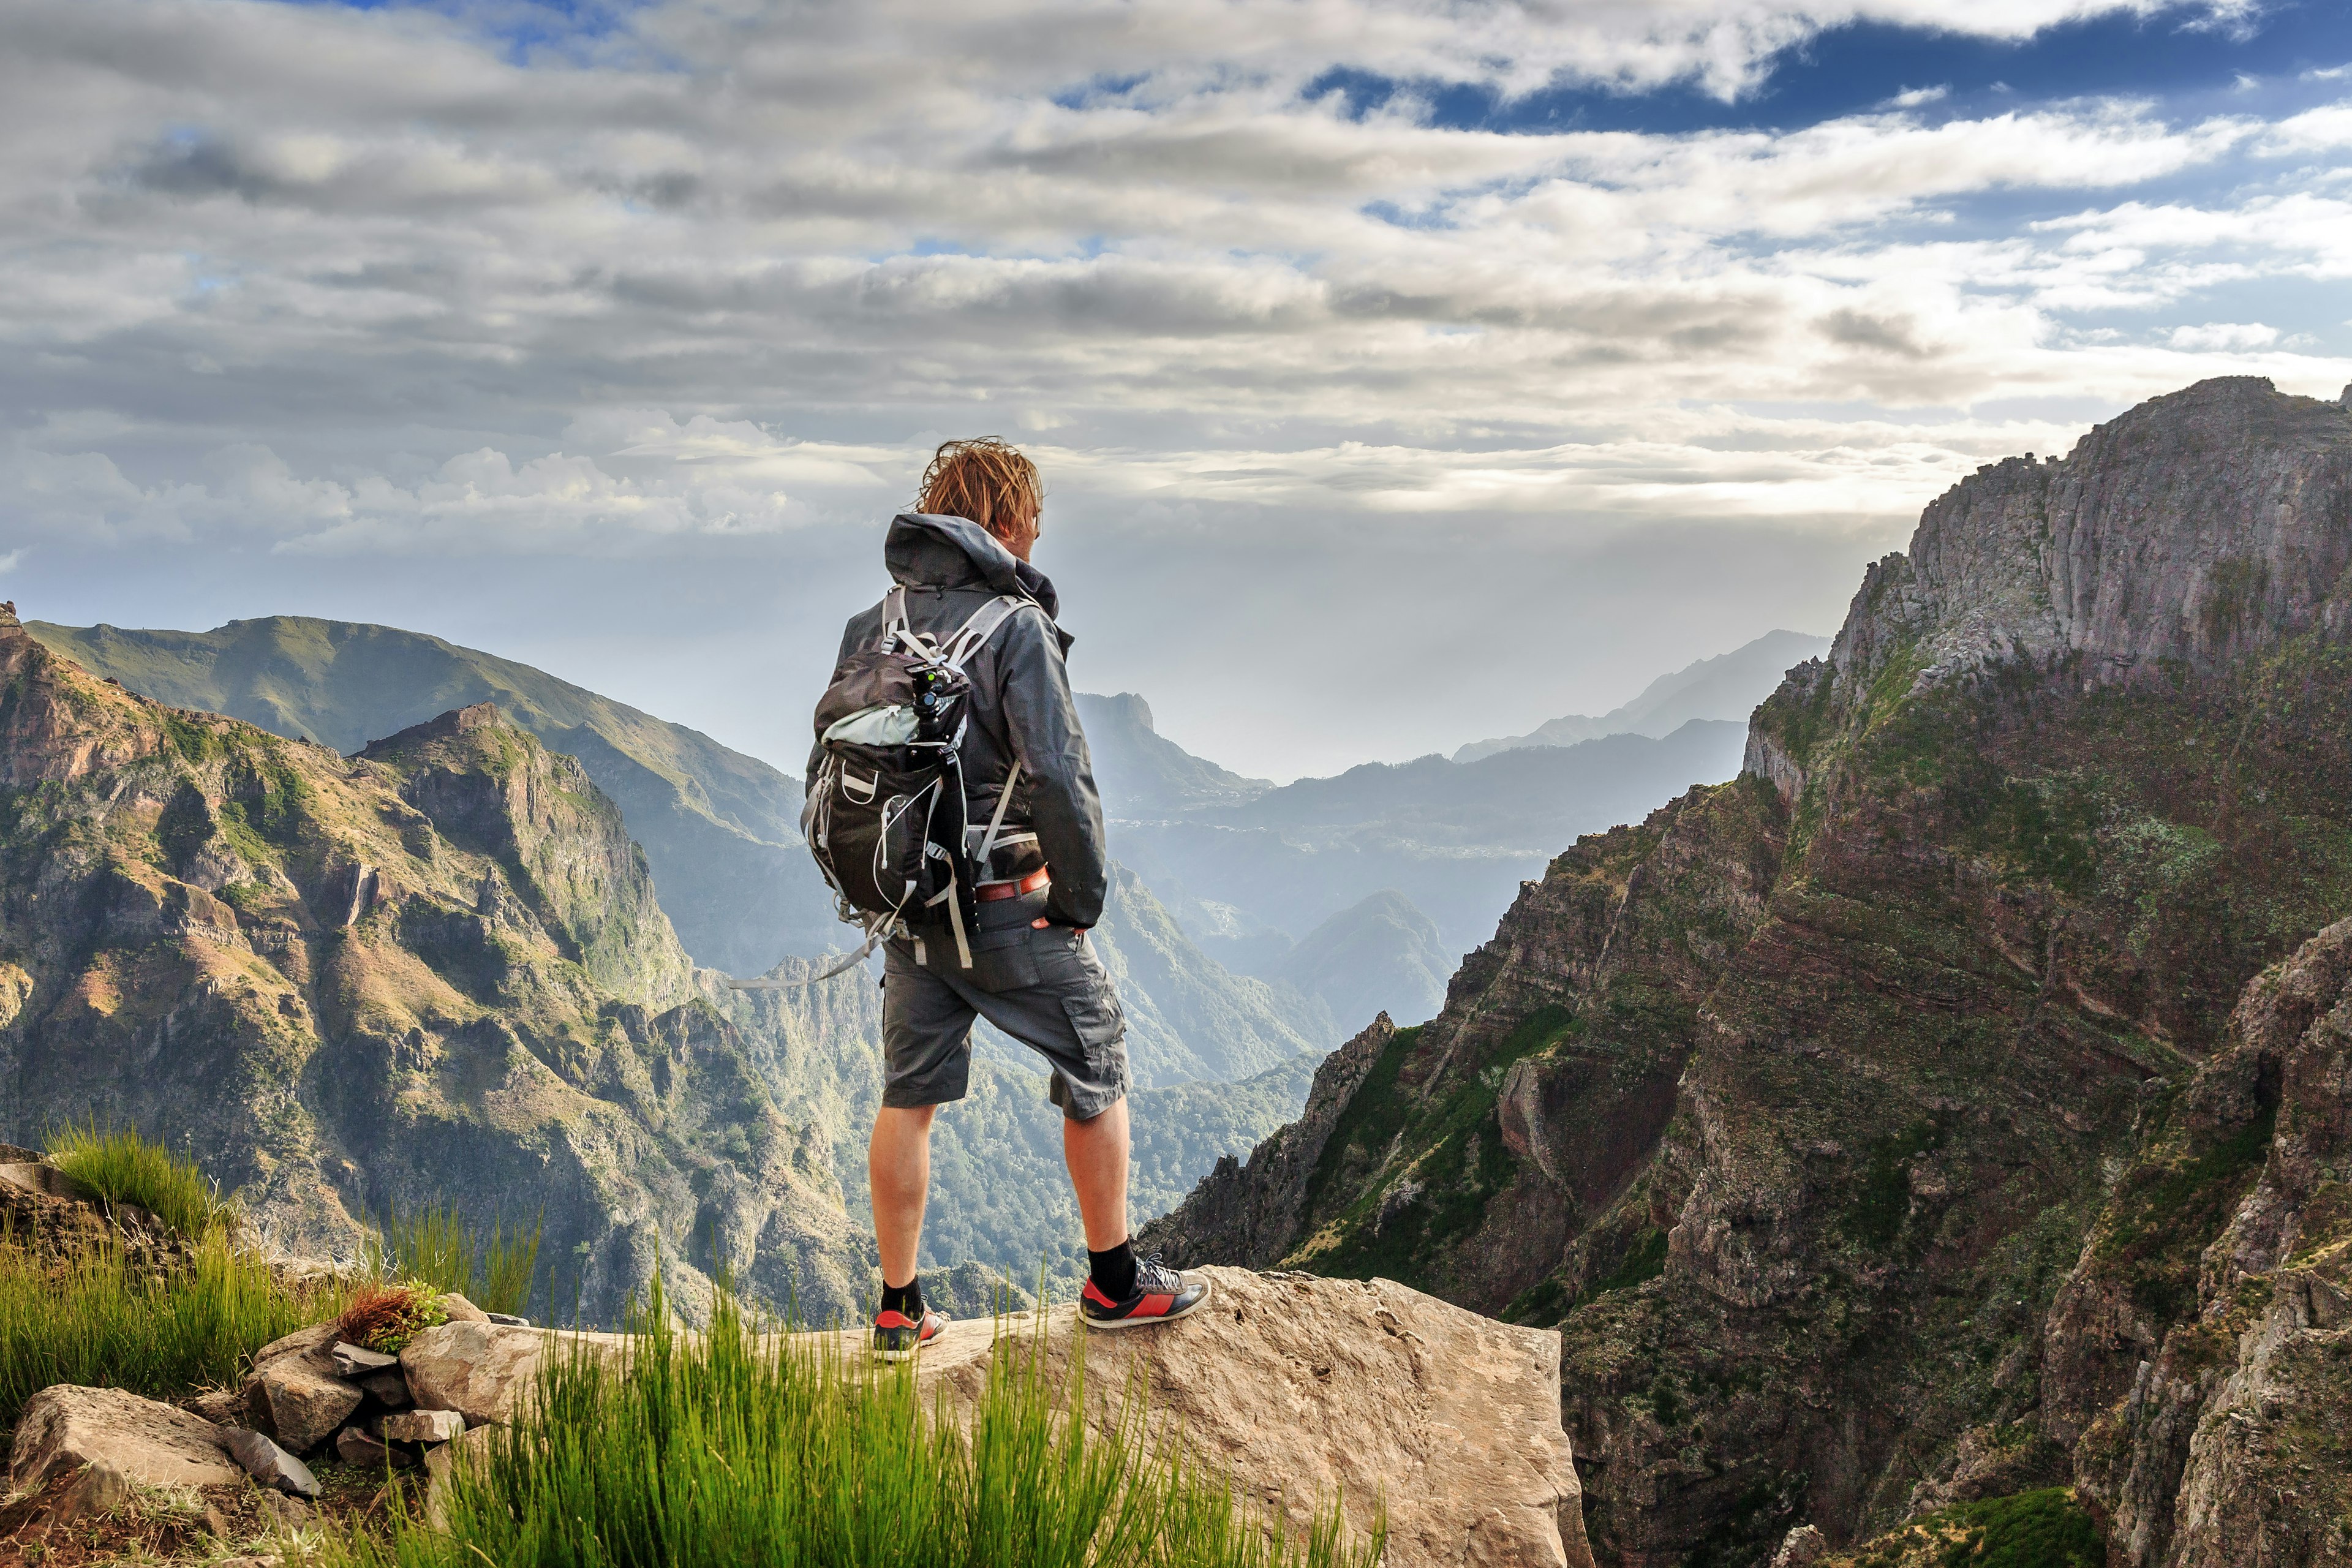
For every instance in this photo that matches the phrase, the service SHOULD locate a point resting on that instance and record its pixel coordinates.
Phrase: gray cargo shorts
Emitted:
(1044, 988)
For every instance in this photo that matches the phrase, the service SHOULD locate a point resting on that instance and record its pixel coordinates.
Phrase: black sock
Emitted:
(1114, 1271)
(907, 1299)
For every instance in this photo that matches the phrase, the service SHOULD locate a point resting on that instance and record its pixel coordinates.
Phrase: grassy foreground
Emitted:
(736, 1445)
(96, 1318)
(745, 1446)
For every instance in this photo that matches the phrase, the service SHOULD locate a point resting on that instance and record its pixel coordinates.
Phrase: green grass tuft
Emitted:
(434, 1246)
(123, 1168)
(740, 1445)
(95, 1319)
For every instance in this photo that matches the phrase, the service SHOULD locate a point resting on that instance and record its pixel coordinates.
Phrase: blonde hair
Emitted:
(985, 481)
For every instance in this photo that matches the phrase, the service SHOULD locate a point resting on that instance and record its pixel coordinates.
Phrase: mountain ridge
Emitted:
(721, 828)
(1727, 685)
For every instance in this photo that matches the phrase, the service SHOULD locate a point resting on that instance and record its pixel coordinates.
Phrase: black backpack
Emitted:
(885, 815)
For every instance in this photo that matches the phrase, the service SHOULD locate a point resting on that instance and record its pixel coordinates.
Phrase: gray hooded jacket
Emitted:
(1021, 705)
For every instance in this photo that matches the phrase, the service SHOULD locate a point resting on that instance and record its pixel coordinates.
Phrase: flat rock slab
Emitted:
(1307, 1389)
(1303, 1389)
(65, 1427)
(356, 1361)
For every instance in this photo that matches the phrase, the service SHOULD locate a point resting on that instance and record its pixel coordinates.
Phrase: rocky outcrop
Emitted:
(1894, 1126)
(1250, 1215)
(1446, 1422)
(433, 972)
(2202, 1351)
(1447, 1419)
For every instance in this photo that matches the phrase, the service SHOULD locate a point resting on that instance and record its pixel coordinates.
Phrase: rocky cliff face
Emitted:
(432, 972)
(1925, 1117)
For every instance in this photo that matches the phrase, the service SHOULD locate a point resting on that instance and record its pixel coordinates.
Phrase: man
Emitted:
(1032, 970)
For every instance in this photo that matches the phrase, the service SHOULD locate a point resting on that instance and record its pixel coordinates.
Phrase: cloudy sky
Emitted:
(1404, 371)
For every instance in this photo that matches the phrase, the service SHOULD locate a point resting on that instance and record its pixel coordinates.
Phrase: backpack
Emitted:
(885, 817)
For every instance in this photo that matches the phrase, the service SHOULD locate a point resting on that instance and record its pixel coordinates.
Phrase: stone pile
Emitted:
(310, 1393)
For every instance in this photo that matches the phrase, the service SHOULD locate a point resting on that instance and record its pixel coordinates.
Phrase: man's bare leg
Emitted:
(1096, 1153)
(899, 1171)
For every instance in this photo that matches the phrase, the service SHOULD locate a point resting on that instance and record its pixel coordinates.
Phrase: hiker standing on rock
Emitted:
(951, 805)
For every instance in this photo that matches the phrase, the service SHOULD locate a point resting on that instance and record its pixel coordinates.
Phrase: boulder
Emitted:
(221, 1406)
(101, 1488)
(423, 1426)
(388, 1388)
(65, 1427)
(356, 1363)
(270, 1465)
(304, 1405)
(481, 1369)
(1454, 1419)
(461, 1311)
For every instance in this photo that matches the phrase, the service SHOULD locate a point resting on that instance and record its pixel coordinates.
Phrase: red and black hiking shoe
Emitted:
(1161, 1295)
(897, 1337)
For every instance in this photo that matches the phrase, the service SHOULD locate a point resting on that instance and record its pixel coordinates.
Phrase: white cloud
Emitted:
(2235, 335)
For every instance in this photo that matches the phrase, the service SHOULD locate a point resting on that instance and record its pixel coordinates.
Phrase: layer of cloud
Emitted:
(323, 284)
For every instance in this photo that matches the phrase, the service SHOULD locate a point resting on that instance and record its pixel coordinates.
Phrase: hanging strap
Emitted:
(876, 930)
(968, 639)
(996, 822)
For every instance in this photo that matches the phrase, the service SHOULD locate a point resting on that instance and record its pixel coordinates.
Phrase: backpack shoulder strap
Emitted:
(982, 627)
(895, 629)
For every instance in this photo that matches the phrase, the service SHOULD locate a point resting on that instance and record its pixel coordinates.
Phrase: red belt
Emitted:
(989, 892)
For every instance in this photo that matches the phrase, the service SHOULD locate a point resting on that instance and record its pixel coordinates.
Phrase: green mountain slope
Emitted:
(720, 828)
(433, 971)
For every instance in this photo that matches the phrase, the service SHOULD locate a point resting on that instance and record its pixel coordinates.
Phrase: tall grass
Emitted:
(434, 1246)
(123, 1167)
(96, 1318)
(740, 1445)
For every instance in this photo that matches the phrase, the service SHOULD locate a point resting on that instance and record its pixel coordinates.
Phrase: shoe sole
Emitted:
(1209, 1290)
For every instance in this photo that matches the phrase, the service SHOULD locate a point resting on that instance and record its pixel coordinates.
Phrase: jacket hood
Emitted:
(927, 550)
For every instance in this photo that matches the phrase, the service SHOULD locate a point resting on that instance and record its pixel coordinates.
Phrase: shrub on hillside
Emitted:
(121, 1167)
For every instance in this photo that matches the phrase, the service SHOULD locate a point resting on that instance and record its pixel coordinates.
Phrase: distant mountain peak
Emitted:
(1130, 709)
(1727, 686)
(1145, 776)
